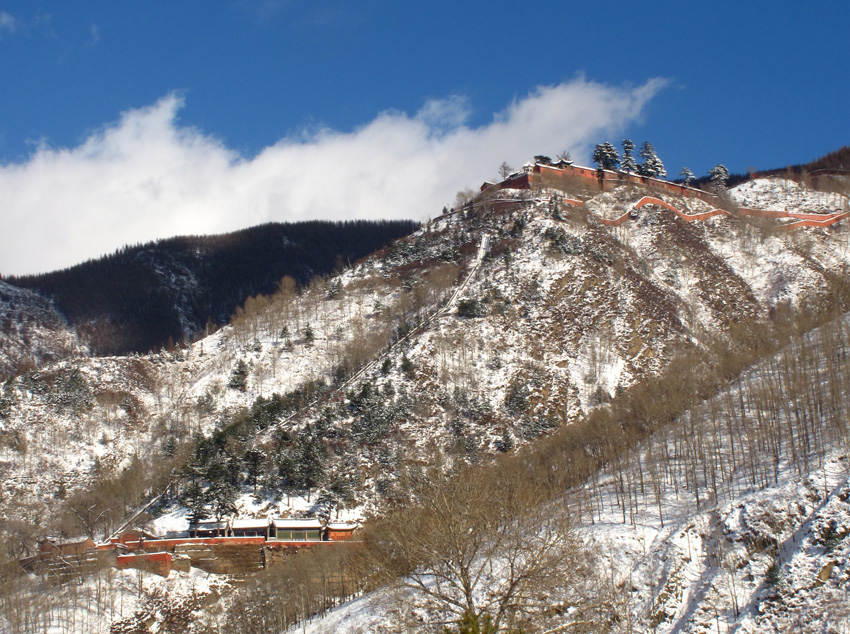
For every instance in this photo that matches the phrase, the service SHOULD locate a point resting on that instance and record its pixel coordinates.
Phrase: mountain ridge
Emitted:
(145, 297)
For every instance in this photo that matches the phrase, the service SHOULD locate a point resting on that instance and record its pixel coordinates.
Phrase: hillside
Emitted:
(706, 525)
(143, 297)
(32, 332)
(837, 161)
(484, 330)
(563, 313)
(830, 172)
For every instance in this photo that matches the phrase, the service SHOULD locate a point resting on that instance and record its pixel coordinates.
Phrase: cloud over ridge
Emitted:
(146, 176)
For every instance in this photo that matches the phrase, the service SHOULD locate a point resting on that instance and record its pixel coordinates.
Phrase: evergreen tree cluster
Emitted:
(300, 462)
(375, 411)
(605, 155)
(321, 455)
(225, 461)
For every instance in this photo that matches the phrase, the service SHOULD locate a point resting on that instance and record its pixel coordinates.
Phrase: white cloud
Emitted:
(442, 115)
(8, 22)
(148, 177)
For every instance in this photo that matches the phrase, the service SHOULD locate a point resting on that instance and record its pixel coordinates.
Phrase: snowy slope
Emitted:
(689, 575)
(787, 195)
(766, 553)
(763, 555)
(111, 600)
(32, 332)
(562, 313)
(550, 319)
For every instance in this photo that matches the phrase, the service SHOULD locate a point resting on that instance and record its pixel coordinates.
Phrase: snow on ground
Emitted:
(116, 601)
(365, 615)
(560, 308)
(682, 577)
(761, 559)
(772, 558)
(573, 312)
(32, 332)
(690, 574)
(787, 195)
(173, 520)
(73, 416)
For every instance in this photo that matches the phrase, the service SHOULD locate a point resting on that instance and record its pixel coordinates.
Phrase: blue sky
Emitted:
(760, 84)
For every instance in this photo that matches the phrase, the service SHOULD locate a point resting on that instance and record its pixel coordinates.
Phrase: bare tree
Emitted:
(483, 547)
(463, 197)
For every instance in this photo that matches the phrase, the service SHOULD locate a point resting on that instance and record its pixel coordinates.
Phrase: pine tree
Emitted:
(169, 447)
(719, 176)
(660, 171)
(651, 165)
(286, 472)
(309, 337)
(471, 623)
(605, 156)
(628, 164)
(687, 176)
(239, 376)
(506, 442)
(222, 496)
(194, 498)
(309, 461)
(338, 494)
(647, 152)
(234, 471)
(221, 493)
(407, 367)
(253, 465)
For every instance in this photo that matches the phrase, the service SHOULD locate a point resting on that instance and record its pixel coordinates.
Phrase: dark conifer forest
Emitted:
(142, 297)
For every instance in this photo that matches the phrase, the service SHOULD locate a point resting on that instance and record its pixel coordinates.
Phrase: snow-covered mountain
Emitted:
(562, 314)
(483, 330)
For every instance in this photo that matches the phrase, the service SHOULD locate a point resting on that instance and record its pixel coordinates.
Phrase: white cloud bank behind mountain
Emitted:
(147, 176)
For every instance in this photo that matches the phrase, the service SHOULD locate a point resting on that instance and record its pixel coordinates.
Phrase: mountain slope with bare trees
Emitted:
(519, 318)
